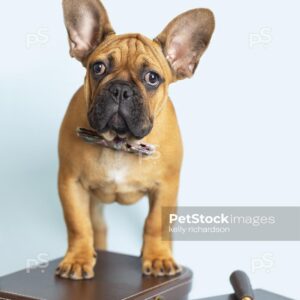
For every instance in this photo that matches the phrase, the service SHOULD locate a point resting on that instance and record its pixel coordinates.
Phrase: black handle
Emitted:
(241, 285)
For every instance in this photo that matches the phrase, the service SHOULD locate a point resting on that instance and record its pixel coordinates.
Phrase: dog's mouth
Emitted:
(118, 142)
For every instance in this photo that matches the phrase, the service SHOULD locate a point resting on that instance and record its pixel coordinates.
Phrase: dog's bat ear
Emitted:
(87, 24)
(185, 39)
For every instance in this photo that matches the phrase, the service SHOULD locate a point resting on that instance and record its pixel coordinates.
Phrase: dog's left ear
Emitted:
(185, 39)
(87, 24)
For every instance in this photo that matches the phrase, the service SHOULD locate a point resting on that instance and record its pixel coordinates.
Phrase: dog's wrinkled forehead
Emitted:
(183, 41)
(131, 52)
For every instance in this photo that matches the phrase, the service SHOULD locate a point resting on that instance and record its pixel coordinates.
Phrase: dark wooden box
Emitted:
(118, 277)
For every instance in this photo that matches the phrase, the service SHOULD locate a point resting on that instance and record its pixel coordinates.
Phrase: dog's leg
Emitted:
(80, 258)
(99, 225)
(156, 253)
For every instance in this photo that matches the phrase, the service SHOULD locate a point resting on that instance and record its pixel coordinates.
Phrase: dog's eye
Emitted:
(153, 79)
(99, 68)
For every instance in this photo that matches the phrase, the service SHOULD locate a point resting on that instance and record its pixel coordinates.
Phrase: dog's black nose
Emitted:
(121, 91)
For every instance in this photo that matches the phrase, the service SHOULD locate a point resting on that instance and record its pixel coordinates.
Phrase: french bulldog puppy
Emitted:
(119, 140)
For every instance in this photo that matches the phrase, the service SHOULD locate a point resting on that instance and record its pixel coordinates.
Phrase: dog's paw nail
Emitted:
(64, 275)
(86, 275)
(147, 271)
(178, 269)
(161, 273)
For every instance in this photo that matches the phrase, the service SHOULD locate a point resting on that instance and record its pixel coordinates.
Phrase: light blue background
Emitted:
(239, 118)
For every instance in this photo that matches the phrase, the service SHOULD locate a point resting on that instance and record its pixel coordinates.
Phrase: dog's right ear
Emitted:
(87, 24)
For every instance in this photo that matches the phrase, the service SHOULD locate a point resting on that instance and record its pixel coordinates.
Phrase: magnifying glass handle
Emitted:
(241, 285)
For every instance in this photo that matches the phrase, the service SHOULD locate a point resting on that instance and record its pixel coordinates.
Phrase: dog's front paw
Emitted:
(77, 266)
(160, 266)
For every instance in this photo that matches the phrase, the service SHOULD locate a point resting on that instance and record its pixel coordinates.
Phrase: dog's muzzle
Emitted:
(120, 108)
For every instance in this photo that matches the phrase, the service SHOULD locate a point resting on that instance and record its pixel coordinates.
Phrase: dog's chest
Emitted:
(118, 174)
(118, 178)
